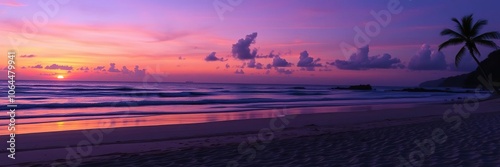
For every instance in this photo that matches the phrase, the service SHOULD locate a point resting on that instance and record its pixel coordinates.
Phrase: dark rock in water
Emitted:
(298, 87)
(361, 87)
(419, 89)
(422, 90)
(357, 87)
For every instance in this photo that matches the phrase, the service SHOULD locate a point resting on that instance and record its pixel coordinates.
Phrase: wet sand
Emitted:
(428, 134)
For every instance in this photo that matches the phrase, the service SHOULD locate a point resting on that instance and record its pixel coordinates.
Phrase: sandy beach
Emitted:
(447, 134)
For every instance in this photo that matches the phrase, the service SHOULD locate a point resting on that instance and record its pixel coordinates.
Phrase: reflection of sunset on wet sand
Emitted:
(119, 122)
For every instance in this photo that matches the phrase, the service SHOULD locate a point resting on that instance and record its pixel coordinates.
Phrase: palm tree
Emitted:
(468, 34)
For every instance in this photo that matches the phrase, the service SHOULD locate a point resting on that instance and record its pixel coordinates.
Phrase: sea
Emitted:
(83, 103)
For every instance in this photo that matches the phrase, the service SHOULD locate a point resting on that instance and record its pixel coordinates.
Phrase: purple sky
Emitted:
(175, 39)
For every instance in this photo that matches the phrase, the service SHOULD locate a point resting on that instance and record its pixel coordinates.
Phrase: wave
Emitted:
(136, 92)
(119, 113)
(194, 102)
(117, 94)
(72, 88)
(127, 89)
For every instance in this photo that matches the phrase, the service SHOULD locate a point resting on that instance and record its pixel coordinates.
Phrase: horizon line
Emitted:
(193, 82)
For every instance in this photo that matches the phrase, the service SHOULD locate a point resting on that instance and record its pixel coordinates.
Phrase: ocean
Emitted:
(137, 104)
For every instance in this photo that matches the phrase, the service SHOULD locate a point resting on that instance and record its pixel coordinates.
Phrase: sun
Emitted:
(60, 77)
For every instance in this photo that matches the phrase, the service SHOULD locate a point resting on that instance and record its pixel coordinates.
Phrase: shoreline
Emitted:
(195, 118)
(51, 145)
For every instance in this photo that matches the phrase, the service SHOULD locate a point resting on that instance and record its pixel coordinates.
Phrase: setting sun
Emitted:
(60, 77)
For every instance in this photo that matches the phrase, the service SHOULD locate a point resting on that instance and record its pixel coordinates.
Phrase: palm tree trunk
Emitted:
(483, 72)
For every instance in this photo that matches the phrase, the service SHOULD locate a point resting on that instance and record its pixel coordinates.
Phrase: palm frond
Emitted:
(467, 25)
(460, 27)
(487, 43)
(488, 35)
(459, 56)
(467, 32)
(474, 50)
(452, 33)
(450, 42)
(478, 26)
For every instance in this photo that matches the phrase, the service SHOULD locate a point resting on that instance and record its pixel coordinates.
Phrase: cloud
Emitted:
(325, 69)
(112, 68)
(308, 63)
(58, 67)
(100, 68)
(27, 56)
(284, 71)
(212, 57)
(239, 71)
(361, 61)
(241, 50)
(138, 72)
(251, 64)
(259, 66)
(279, 62)
(427, 59)
(83, 69)
(48, 74)
(270, 55)
(37, 66)
(125, 70)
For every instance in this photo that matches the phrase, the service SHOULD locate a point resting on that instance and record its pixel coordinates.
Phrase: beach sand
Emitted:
(449, 134)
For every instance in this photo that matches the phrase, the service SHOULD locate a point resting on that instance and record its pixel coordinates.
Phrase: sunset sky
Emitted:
(256, 41)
